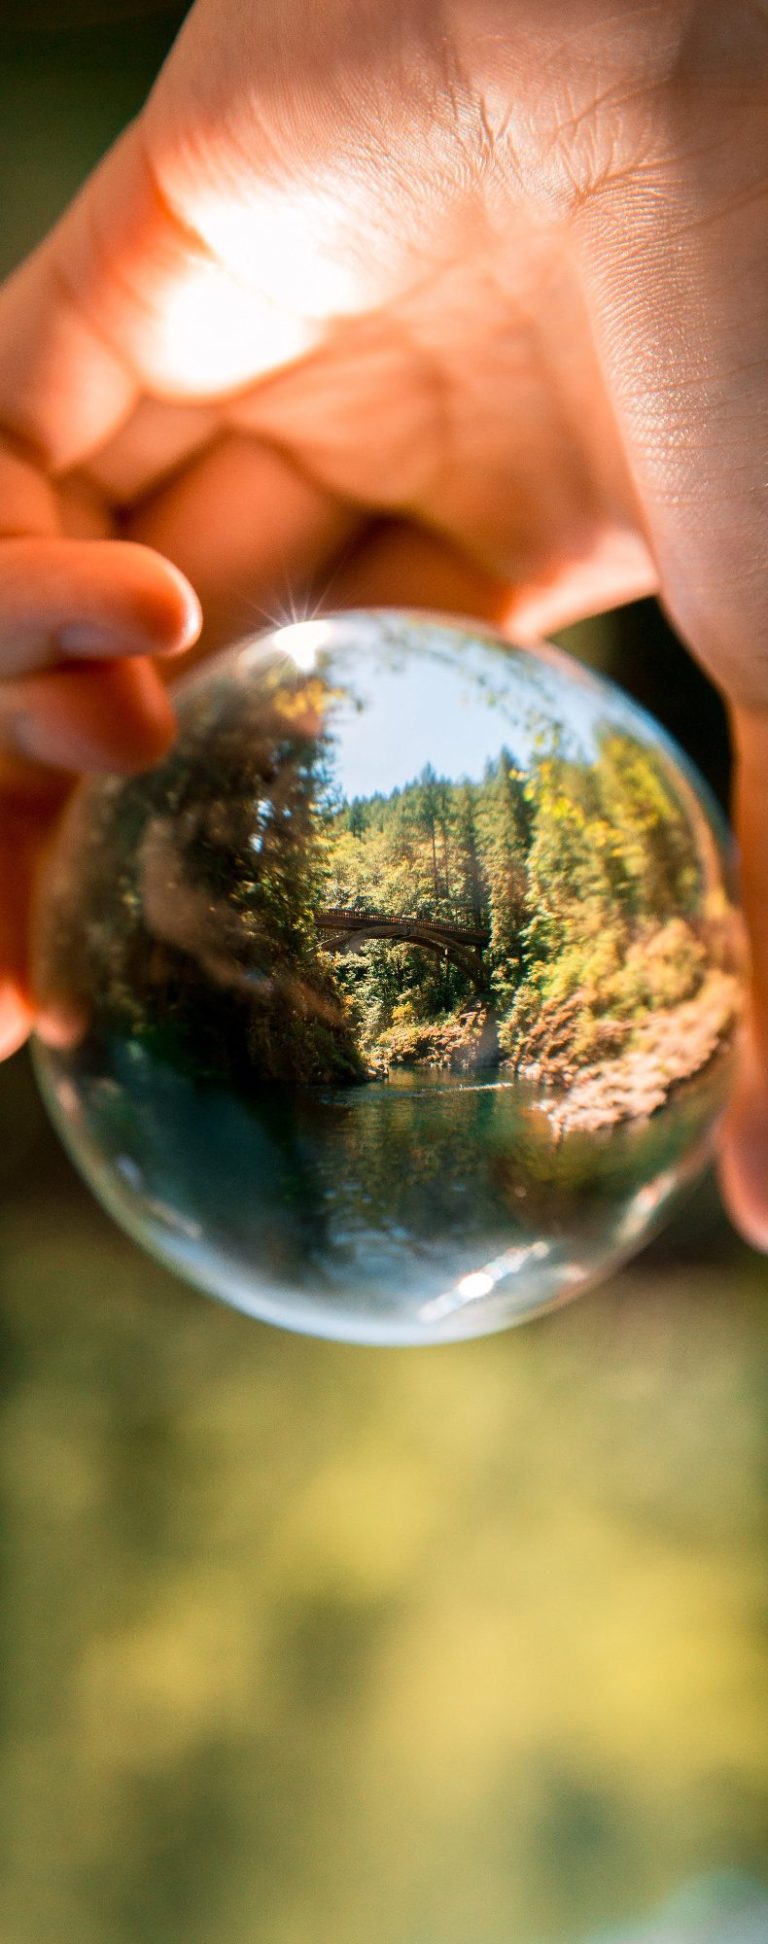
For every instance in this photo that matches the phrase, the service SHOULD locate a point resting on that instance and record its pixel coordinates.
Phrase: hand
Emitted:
(495, 270)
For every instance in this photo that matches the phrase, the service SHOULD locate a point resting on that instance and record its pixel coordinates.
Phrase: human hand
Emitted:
(493, 271)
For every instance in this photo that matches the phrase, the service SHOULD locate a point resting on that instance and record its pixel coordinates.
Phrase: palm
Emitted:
(471, 410)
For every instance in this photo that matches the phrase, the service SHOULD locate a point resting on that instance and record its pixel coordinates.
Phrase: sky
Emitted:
(454, 710)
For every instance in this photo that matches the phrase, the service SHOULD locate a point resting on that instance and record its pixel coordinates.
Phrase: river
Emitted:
(386, 1212)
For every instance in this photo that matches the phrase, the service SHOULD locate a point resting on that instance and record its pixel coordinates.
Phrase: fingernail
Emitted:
(193, 616)
(89, 638)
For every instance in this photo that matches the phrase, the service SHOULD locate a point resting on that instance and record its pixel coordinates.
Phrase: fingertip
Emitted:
(189, 614)
(64, 600)
(157, 600)
(16, 1018)
(744, 1163)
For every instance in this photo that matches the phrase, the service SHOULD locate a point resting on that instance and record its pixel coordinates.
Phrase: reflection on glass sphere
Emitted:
(399, 1001)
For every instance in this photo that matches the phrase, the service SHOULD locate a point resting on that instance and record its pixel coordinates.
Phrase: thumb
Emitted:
(744, 1162)
(676, 273)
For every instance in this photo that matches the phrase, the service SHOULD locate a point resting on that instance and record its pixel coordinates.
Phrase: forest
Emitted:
(264, 927)
(581, 875)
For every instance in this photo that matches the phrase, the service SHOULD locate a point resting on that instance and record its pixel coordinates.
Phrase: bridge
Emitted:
(462, 945)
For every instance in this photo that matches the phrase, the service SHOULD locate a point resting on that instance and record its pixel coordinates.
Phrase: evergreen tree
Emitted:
(470, 880)
(503, 824)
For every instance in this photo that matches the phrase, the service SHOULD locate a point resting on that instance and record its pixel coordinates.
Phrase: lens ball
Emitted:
(398, 1003)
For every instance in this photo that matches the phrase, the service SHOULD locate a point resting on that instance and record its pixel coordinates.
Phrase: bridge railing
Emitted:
(333, 912)
(338, 917)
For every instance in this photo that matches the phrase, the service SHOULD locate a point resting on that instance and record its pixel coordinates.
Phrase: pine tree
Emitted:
(503, 823)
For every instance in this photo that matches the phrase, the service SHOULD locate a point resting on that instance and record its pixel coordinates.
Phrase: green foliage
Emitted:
(584, 876)
(570, 890)
(191, 913)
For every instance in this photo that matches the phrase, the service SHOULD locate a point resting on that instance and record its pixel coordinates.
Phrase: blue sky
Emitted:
(452, 709)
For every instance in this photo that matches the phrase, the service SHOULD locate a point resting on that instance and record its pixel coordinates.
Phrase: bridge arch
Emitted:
(461, 945)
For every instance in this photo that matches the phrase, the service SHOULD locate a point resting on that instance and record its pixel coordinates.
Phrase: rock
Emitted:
(667, 1048)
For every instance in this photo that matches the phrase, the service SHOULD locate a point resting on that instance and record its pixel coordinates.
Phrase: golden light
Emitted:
(274, 277)
(214, 335)
(283, 242)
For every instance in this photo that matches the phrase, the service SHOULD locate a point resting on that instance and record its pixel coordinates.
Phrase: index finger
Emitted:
(61, 599)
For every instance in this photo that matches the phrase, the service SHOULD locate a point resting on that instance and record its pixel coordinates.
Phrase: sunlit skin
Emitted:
(459, 305)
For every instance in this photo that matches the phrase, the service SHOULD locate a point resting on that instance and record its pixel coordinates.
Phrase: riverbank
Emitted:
(466, 1042)
(667, 1048)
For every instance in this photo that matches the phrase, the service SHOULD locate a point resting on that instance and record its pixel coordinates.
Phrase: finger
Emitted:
(676, 274)
(614, 568)
(16, 1018)
(24, 826)
(156, 441)
(744, 1164)
(114, 717)
(744, 1152)
(262, 539)
(251, 529)
(109, 716)
(63, 598)
(31, 506)
(28, 502)
(405, 566)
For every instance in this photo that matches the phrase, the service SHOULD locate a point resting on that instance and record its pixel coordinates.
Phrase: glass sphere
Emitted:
(398, 1002)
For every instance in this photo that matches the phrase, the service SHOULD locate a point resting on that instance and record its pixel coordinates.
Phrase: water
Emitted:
(420, 1207)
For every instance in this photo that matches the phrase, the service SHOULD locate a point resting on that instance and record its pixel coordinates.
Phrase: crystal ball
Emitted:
(399, 1001)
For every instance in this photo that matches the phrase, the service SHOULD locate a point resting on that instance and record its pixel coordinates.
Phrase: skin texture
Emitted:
(460, 305)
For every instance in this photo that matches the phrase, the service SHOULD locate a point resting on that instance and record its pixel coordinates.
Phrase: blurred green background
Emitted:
(303, 1642)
